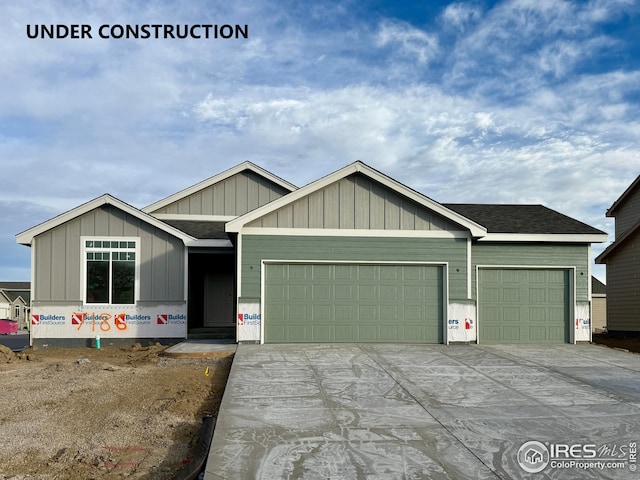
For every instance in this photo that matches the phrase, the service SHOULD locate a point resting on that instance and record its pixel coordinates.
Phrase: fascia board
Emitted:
(237, 224)
(26, 237)
(611, 212)
(476, 229)
(216, 179)
(543, 237)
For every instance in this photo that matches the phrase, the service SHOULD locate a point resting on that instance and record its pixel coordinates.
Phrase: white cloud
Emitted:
(412, 42)
(460, 15)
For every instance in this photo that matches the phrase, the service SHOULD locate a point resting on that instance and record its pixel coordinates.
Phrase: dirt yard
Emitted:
(103, 414)
(626, 341)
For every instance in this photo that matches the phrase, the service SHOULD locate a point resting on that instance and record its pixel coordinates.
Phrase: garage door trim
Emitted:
(572, 291)
(445, 286)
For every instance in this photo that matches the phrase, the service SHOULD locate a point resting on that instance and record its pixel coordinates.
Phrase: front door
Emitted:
(218, 299)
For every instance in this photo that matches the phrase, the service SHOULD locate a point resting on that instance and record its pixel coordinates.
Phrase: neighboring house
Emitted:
(14, 302)
(353, 257)
(598, 306)
(621, 258)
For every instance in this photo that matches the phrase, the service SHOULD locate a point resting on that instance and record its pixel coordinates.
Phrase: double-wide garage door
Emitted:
(353, 303)
(523, 306)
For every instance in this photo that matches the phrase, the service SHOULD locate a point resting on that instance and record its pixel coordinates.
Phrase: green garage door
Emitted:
(353, 303)
(523, 306)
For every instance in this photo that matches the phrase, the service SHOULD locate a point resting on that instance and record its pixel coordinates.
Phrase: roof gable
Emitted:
(355, 202)
(342, 200)
(629, 235)
(26, 237)
(611, 212)
(231, 193)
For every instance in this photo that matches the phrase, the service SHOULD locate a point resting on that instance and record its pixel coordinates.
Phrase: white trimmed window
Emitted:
(111, 267)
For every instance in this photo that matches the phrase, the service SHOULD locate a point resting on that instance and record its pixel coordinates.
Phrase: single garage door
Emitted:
(353, 303)
(523, 306)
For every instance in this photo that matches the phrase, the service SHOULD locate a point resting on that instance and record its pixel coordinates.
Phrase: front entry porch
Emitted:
(212, 307)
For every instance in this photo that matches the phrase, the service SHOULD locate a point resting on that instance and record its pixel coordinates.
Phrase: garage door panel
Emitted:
(295, 333)
(557, 334)
(322, 313)
(389, 292)
(354, 303)
(511, 315)
(511, 333)
(389, 312)
(368, 333)
(389, 272)
(538, 314)
(367, 312)
(298, 272)
(368, 272)
(321, 292)
(368, 292)
(343, 333)
(413, 293)
(389, 333)
(322, 333)
(321, 272)
(298, 292)
(511, 295)
(523, 305)
(537, 295)
(558, 296)
(343, 292)
(538, 334)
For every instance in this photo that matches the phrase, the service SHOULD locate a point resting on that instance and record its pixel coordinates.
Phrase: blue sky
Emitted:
(528, 101)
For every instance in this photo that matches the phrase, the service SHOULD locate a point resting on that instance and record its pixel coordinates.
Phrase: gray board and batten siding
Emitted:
(355, 202)
(58, 257)
(233, 196)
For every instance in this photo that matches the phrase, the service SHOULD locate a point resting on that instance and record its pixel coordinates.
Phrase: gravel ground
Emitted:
(103, 414)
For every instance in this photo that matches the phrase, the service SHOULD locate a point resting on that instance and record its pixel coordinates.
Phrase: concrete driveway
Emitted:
(381, 411)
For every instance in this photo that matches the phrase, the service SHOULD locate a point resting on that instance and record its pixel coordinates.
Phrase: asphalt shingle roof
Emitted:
(532, 219)
(202, 230)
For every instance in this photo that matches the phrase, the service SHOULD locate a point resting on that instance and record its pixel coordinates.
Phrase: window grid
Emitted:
(110, 274)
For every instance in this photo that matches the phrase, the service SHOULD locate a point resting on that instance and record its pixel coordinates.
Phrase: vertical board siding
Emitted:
(542, 254)
(236, 195)
(623, 288)
(255, 248)
(357, 202)
(59, 260)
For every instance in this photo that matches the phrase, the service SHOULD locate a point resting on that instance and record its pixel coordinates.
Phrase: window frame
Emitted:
(92, 249)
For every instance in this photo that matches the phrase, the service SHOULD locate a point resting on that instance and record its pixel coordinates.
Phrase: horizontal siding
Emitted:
(356, 202)
(58, 257)
(628, 213)
(539, 254)
(256, 248)
(623, 288)
(235, 195)
(598, 313)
